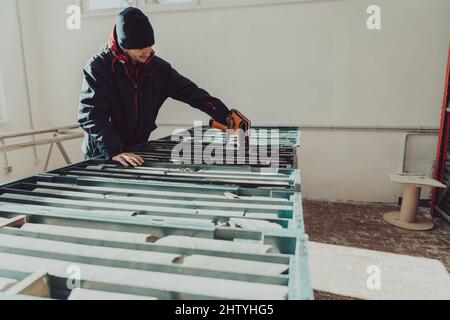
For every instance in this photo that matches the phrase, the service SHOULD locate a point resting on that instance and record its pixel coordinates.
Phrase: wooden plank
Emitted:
(415, 179)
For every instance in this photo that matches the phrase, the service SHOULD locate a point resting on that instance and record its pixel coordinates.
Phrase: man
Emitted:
(124, 87)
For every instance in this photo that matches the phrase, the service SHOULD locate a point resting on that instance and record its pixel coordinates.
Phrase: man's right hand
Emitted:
(129, 159)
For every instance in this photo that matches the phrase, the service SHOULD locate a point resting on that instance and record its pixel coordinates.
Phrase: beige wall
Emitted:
(23, 163)
(312, 63)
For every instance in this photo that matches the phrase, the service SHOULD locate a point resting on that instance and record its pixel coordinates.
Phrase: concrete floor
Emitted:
(361, 225)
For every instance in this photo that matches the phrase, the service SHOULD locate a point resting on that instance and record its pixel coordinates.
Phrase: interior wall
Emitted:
(23, 163)
(311, 63)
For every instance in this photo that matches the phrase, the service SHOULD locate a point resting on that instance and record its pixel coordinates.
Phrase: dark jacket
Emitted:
(119, 103)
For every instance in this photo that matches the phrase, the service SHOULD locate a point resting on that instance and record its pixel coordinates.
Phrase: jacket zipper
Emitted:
(136, 100)
(136, 95)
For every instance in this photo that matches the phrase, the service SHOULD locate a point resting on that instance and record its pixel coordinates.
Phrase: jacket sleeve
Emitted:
(182, 89)
(95, 112)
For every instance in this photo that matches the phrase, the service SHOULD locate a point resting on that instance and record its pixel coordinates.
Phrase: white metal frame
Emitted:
(86, 11)
(148, 6)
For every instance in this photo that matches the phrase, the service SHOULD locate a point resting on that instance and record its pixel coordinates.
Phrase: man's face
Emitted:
(139, 55)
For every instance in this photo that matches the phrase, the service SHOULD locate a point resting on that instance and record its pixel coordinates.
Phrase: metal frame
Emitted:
(289, 140)
(59, 135)
(147, 6)
(163, 200)
(86, 11)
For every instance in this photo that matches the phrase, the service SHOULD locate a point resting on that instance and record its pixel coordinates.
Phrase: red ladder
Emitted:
(441, 155)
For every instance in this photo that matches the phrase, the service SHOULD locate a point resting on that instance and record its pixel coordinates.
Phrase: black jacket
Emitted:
(119, 104)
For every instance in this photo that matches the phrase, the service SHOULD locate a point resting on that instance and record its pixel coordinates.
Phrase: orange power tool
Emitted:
(237, 123)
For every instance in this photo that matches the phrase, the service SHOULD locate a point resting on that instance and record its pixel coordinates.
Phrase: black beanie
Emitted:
(134, 30)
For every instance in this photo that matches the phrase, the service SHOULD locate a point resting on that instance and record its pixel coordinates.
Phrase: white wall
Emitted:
(23, 163)
(312, 63)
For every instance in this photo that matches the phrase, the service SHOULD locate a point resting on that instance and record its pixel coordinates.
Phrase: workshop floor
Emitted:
(361, 225)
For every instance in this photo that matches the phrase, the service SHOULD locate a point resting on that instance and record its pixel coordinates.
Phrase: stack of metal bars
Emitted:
(97, 230)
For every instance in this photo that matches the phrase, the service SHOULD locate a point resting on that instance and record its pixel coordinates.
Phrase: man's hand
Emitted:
(129, 159)
(236, 122)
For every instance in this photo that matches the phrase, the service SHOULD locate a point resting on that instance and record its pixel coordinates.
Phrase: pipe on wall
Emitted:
(419, 129)
(407, 130)
(25, 71)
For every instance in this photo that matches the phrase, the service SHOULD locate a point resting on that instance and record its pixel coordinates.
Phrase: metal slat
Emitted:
(161, 186)
(144, 177)
(158, 284)
(283, 241)
(266, 208)
(148, 194)
(226, 268)
(162, 212)
(211, 247)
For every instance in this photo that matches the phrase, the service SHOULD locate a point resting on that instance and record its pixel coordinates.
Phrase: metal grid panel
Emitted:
(288, 136)
(259, 154)
(163, 231)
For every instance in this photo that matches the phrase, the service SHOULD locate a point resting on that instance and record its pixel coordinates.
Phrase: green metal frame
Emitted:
(164, 199)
